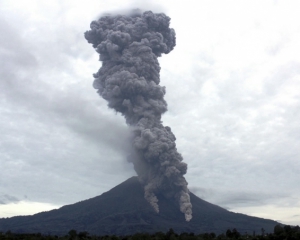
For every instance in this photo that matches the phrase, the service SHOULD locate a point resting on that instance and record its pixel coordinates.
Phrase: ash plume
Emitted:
(129, 46)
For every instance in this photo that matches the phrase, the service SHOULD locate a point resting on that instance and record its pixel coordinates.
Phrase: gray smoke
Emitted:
(129, 80)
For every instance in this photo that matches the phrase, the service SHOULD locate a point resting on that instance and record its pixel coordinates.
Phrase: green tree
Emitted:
(72, 234)
(83, 235)
(228, 233)
(278, 229)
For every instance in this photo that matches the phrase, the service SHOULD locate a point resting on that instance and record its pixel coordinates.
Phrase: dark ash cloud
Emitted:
(129, 80)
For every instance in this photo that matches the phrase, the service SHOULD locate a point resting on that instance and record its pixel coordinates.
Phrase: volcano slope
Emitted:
(123, 211)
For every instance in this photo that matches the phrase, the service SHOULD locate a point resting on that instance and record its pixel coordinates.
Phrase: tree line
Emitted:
(281, 232)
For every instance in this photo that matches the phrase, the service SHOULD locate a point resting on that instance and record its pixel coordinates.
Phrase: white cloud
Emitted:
(25, 208)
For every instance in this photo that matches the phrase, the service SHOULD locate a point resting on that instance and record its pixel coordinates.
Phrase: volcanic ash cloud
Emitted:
(129, 46)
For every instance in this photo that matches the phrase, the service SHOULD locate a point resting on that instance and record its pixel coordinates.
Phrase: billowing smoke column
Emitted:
(129, 80)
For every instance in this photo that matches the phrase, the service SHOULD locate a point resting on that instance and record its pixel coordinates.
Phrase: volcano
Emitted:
(123, 210)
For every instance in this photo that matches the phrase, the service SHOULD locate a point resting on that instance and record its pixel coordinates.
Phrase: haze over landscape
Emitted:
(232, 88)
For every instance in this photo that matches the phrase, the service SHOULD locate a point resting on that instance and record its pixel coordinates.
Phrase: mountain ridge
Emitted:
(123, 211)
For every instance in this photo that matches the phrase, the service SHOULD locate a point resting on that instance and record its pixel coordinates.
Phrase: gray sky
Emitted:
(233, 91)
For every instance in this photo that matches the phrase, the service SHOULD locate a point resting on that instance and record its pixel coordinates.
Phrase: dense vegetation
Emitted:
(280, 233)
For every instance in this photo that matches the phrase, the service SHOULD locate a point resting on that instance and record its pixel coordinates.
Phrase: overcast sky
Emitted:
(233, 93)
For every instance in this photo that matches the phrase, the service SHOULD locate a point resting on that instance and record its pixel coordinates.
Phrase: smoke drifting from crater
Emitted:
(129, 46)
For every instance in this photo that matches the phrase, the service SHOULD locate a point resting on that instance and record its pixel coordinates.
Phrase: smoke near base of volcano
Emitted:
(129, 46)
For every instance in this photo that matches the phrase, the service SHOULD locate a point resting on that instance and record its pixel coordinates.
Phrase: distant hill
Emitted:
(123, 210)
